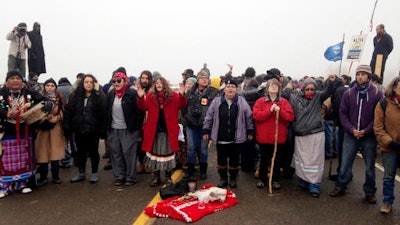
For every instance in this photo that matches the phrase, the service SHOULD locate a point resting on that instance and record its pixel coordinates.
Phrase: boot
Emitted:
(203, 171)
(55, 176)
(168, 179)
(43, 177)
(223, 173)
(140, 168)
(190, 170)
(156, 180)
(233, 178)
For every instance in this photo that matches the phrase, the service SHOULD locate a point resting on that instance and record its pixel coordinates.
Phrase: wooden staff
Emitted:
(275, 149)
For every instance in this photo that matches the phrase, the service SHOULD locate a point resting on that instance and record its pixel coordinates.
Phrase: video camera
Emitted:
(21, 29)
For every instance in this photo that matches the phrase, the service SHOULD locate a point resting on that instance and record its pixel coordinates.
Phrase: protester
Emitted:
(85, 117)
(357, 117)
(308, 127)
(160, 127)
(228, 123)
(199, 99)
(264, 114)
(19, 42)
(386, 127)
(383, 45)
(65, 89)
(16, 161)
(50, 143)
(145, 82)
(36, 61)
(124, 122)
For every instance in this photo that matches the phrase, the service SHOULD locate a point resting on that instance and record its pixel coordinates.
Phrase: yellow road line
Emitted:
(144, 219)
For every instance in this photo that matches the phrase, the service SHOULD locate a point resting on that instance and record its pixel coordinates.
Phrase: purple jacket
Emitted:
(350, 114)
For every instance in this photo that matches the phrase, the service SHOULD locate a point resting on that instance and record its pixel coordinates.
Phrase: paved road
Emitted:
(103, 203)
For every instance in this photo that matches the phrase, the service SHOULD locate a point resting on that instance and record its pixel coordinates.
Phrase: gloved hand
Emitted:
(46, 125)
(394, 146)
(47, 106)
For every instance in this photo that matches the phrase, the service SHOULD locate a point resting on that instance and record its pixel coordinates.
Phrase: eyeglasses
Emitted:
(309, 89)
(117, 81)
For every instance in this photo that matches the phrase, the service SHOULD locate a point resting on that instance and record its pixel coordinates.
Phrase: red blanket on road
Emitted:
(186, 209)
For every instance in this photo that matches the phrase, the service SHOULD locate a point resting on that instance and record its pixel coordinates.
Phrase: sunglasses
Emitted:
(117, 81)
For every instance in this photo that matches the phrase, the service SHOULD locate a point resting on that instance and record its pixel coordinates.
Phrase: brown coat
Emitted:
(50, 144)
(386, 125)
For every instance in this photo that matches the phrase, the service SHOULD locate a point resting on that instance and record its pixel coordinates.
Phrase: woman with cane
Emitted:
(272, 115)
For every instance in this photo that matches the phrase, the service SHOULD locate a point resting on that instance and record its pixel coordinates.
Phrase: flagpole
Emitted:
(371, 23)
(341, 60)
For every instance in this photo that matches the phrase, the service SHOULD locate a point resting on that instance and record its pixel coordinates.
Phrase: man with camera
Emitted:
(19, 42)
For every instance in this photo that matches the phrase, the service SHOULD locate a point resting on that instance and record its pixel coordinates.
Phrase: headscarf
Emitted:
(118, 76)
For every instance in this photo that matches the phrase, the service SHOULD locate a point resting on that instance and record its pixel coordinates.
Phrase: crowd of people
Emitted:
(269, 124)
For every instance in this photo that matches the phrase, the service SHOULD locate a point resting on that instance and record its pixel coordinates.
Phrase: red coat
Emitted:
(172, 105)
(265, 120)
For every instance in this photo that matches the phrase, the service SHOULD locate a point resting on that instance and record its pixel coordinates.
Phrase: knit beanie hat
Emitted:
(366, 69)
(192, 79)
(202, 73)
(50, 81)
(14, 73)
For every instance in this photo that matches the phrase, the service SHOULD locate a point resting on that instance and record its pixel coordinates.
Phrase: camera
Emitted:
(21, 31)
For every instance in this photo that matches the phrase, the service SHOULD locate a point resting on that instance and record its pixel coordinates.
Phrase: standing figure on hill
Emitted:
(19, 42)
(160, 127)
(229, 124)
(383, 45)
(36, 61)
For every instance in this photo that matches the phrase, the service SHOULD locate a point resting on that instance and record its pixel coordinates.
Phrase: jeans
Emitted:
(196, 145)
(389, 160)
(367, 146)
(328, 138)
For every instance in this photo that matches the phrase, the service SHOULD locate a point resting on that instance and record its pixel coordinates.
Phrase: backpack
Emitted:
(383, 105)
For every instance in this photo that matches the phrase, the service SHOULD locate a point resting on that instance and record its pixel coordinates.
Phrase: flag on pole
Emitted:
(334, 52)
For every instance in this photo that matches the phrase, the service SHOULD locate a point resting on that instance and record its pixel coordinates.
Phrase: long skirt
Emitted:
(16, 163)
(161, 157)
(308, 157)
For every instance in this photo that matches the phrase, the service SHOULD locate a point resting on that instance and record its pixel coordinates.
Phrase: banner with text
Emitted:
(356, 47)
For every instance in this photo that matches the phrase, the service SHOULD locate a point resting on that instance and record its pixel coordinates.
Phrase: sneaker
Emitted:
(371, 199)
(315, 194)
(26, 190)
(386, 209)
(276, 185)
(337, 192)
(78, 178)
(130, 183)
(119, 182)
(94, 178)
(260, 184)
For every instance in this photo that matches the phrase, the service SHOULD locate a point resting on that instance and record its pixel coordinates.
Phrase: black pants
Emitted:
(229, 152)
(266, 153)
(88, 143)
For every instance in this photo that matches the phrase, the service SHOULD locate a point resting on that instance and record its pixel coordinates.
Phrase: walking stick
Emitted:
(274, 155)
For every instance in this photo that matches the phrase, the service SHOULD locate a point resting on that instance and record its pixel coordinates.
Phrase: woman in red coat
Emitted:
(264, 114)
(160, 127)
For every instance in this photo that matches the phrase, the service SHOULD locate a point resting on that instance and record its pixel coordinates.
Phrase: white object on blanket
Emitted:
(210, 195)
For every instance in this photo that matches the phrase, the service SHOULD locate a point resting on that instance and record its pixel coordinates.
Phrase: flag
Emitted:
(334, 52)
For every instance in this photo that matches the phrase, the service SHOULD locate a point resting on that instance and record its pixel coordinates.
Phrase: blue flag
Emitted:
(334, 52)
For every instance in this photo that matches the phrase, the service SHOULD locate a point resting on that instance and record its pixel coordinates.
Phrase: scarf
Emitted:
(161, 99)
(396, 100)
(117, 76)
(363, 91)
(308, 95)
